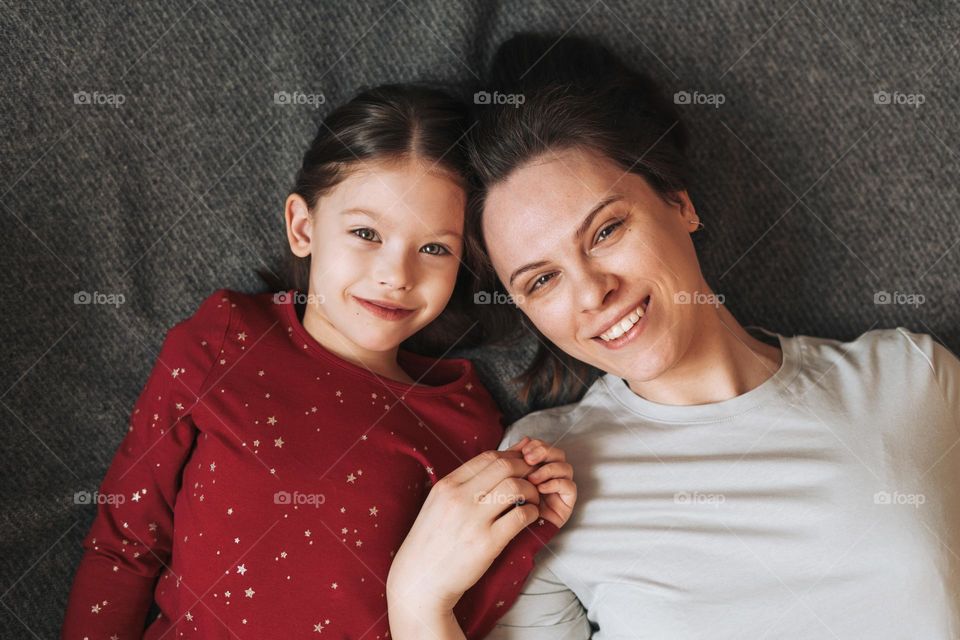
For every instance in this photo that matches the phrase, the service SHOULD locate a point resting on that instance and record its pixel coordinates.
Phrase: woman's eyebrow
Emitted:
(581, 230)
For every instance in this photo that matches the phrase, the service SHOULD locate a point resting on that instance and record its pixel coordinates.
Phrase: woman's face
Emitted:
(583, 247)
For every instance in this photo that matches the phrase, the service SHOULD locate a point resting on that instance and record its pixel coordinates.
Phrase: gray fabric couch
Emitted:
(143, 154)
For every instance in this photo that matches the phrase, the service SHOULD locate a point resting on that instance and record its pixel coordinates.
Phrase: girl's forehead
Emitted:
(400, 193)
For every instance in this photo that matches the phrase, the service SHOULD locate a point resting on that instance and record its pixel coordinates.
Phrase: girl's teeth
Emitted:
(623, 326)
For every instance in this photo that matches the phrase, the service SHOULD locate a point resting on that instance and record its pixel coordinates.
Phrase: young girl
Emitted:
(283, 444)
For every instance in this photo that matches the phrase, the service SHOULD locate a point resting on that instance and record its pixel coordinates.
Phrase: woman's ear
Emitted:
(687, 211)
(299, 225)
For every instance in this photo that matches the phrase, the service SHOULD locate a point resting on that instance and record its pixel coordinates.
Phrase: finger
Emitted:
(508, 493)
(562, 486)
(553, 509)
(537, 451)
(508, 525)
(476, 464)
(505, 466)
(551, 470)
(519, 445)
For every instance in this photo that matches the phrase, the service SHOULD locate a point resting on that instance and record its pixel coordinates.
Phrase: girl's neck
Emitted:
(381, 363)
(722, 361)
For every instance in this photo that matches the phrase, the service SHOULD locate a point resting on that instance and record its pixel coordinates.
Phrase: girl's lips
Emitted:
(633, 332)
(382, 312)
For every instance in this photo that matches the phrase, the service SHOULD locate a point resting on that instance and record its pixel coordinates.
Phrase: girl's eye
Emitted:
(366, 233)
(435, 249)
(608, 230)
(541, 281)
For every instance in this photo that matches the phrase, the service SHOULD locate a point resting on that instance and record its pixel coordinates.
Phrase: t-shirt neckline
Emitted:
(771, 388)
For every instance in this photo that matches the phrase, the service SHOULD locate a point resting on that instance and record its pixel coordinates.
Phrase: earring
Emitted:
(698, 223)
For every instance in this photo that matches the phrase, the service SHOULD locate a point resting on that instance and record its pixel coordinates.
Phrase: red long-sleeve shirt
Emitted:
(265, 485)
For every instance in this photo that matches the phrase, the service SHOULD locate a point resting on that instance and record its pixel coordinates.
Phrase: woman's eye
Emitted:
(435, 249)
(540, 281)
(366, 233)
(607, 230)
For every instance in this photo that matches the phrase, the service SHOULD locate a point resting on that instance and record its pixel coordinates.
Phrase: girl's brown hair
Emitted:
(386, 123)
(575, 94)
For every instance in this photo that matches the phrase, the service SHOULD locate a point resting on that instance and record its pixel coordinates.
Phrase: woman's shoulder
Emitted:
(545, 424)
(895, 356)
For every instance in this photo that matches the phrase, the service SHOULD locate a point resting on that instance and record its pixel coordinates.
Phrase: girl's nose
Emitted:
(393, 272)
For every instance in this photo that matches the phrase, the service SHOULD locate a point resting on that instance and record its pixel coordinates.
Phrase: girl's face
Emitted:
(385, 246)
(581, 245)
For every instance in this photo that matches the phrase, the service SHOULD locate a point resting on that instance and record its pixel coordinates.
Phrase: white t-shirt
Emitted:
(824, 503)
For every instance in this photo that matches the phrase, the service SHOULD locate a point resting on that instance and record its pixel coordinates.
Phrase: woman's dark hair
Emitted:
(576, 94)
(389, 122)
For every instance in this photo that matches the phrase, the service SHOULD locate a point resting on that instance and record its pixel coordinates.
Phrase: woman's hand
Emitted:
(554, 480)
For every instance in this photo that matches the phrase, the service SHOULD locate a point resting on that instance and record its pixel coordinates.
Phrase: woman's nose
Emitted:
(593, 287)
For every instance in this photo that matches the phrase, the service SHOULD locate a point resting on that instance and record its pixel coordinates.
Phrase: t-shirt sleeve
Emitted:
(546, 609)
(945, 367)
(131, 538)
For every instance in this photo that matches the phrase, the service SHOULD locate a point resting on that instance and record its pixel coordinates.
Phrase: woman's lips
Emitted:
(382, 312)
(633, 332)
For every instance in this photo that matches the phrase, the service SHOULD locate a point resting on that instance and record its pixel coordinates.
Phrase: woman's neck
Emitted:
(721, 362)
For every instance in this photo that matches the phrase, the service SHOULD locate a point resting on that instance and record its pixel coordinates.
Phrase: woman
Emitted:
(730, 486)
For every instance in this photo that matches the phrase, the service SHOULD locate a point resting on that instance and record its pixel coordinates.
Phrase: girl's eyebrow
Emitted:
(581, 230)
(376, 216)
(356, 211)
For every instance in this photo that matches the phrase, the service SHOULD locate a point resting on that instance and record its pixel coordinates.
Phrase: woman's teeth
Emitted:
(624, 325)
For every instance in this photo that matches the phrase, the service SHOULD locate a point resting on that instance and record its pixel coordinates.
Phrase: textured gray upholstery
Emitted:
(814, 195)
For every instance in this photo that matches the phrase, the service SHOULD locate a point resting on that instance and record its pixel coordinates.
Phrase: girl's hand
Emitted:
(553, 479)
(466, 521)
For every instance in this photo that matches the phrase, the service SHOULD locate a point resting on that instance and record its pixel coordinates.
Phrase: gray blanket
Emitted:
(144, 155)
